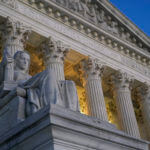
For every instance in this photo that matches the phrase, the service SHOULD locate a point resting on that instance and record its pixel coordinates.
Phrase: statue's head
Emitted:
(22, 61)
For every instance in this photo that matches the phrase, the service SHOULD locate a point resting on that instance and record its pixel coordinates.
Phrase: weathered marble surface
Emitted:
(122, 87)
(12, 113)
(48, 26)
(55, 128)
(92, 72)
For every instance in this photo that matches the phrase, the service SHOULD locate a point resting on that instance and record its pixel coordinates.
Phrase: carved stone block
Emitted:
(11, 114)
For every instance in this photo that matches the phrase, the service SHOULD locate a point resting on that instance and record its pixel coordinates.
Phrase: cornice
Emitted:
(125, 21)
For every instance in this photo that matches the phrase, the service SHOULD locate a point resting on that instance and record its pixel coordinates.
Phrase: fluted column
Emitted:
(14, 35)
(144, 93)
(54, 53)
(94, 93)
(124, 104)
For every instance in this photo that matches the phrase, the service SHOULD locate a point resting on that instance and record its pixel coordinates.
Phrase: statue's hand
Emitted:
(20, 92)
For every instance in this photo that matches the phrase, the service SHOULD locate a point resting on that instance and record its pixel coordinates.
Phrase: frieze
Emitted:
(127, 43)
(93, 12)
(138, 67)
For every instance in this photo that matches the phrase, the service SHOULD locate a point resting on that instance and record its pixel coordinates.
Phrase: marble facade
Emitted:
(101, 51)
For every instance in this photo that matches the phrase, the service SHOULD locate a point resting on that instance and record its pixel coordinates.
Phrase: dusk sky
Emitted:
(138, 11)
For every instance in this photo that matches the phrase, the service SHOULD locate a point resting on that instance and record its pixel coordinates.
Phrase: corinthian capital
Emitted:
(122, 80)
(14, 32)
(54, 51)
(92, 68)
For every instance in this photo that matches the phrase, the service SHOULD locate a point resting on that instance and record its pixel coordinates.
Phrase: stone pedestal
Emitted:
(93, 88)
(11, 114)
(124, 104)
(56, 128)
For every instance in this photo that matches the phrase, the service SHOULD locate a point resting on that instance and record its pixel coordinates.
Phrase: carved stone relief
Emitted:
(14, 32)
(74, 5)
(113, 28)
(11, 3)
(101, 19)
(92, 12)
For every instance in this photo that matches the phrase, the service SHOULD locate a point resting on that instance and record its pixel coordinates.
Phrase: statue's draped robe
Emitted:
(42, 89)
(69, 94)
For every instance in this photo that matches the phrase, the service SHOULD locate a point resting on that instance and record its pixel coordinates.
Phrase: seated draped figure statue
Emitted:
(40, 89)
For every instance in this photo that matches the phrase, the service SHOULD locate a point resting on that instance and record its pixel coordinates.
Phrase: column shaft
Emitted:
(96, 103)
(93, 87)
(146, 116)
(124, 104)
(58, 69)
(145, 107)
(126, 113)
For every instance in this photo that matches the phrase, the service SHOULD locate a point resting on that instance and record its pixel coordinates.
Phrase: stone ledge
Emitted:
(65, 126)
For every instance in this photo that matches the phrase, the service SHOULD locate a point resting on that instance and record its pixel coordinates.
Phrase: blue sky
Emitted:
(138, 11)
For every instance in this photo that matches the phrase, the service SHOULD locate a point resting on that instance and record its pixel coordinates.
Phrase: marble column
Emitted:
(14, 34)
(144, 93)
(54, 53)
(94, 94)
(124, 104)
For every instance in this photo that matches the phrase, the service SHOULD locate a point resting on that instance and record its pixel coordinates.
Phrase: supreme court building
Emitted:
(103, 52)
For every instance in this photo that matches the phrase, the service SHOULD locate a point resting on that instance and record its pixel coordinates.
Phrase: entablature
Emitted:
(101, 16)
(102, 25)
